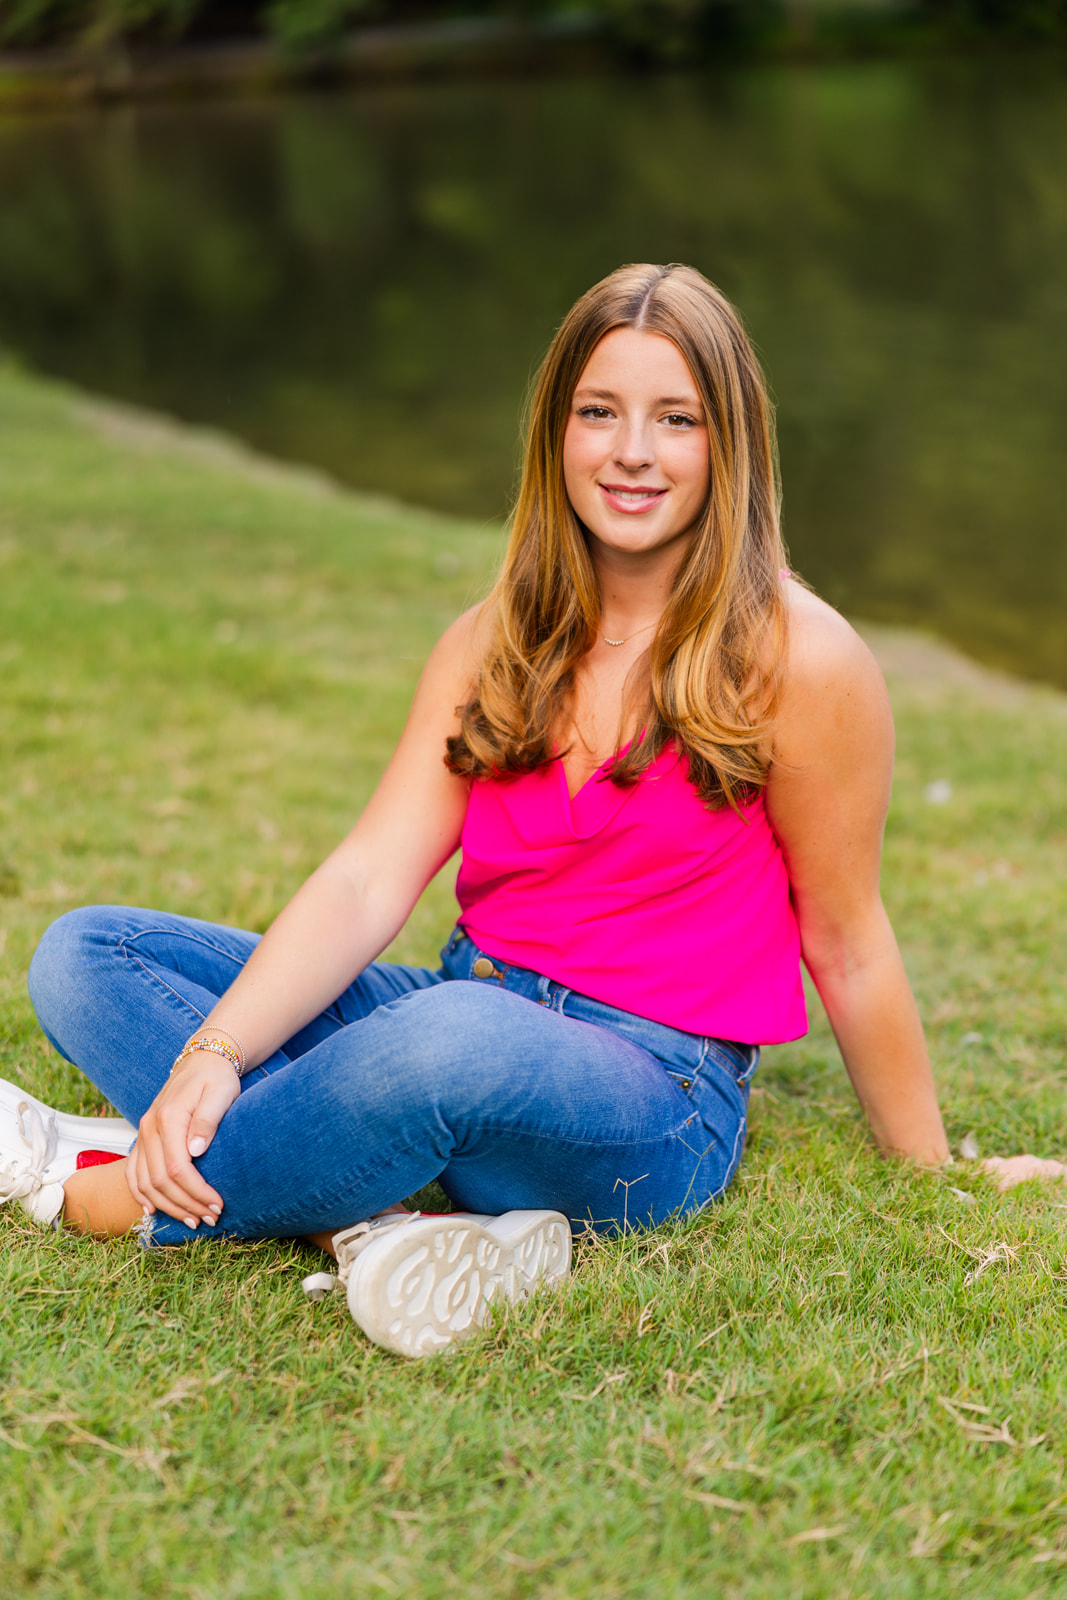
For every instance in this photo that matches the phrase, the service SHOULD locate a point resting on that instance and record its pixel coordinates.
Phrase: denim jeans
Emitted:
(509, 1089)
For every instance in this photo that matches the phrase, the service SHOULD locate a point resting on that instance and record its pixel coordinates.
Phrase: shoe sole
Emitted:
(113, 1134)
(425, 1286)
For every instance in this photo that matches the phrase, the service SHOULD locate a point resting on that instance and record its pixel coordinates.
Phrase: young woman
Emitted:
(667, 764)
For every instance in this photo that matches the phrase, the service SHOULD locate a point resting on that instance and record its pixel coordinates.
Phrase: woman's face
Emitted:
(635, 452)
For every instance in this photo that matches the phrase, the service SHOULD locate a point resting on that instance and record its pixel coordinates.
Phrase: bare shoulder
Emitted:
(821, 647)
(453, 662)
(823, 653)
(467, 635)
(831, 686)
(462, 645)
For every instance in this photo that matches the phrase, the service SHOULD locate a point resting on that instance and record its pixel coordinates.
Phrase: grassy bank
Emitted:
(843, 1381)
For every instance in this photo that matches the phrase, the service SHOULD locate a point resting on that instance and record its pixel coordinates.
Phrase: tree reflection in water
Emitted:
(366, 281)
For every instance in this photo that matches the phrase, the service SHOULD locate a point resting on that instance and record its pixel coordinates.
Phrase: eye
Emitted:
(680, 419)
(594, 413)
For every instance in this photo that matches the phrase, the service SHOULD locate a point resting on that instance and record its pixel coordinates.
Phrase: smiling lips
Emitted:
(623, 497)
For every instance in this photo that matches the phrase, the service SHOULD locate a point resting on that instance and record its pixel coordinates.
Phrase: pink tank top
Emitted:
(640, 897)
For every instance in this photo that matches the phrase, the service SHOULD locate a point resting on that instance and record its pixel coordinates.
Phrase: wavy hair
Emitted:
(708, 682)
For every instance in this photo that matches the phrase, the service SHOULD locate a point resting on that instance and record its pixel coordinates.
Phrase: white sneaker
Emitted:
(39, 1149)
(417, 1283)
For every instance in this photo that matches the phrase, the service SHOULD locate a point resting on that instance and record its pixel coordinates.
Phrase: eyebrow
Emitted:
(664, 400)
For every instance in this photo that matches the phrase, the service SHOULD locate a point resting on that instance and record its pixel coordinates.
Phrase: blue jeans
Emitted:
(509, 1089)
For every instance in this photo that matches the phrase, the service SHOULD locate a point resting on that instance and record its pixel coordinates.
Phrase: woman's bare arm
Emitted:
(336, 923)
(357, 901)
(827, 798)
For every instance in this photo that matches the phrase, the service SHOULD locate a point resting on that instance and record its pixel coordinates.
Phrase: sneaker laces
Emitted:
(350, 1243)
(25, 1175)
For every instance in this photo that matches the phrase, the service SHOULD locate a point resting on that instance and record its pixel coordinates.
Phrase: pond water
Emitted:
(366, 281)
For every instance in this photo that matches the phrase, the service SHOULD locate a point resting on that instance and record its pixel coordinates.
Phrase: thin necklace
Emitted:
(629, 636)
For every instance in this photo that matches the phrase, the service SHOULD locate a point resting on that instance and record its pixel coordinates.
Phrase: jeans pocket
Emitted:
(684, 1077)
(738, 1060)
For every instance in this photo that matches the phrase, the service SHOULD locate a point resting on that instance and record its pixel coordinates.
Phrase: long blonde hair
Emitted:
(709, 678)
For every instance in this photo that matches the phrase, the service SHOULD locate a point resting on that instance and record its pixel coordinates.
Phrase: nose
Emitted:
(633, 452)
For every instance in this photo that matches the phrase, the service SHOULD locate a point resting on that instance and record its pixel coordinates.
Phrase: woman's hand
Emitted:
(178, 1125)
(1010, 1170)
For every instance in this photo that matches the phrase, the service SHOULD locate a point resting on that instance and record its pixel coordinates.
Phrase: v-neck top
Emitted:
(638, 896)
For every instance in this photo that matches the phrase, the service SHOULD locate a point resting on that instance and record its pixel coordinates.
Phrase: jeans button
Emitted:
(686, 1083)
(483, 967)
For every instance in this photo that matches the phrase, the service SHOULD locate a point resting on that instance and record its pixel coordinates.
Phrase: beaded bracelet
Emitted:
(214, 1046)
(234, 1040)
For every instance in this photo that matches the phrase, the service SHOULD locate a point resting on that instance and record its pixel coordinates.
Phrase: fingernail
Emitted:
(213, 1207)
(197, 1146)
(190, 1222)
(211, 1221)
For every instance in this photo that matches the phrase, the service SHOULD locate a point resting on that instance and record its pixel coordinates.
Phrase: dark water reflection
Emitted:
(365, 282)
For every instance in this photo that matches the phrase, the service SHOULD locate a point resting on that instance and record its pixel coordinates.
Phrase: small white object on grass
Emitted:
(969, 1148)
(938, 793)
(972, 1038)
(318, 1284)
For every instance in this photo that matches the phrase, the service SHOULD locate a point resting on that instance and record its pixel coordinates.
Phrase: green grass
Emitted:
(843, 1381)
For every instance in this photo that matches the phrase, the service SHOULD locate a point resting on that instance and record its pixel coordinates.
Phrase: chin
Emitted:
(640, 537)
